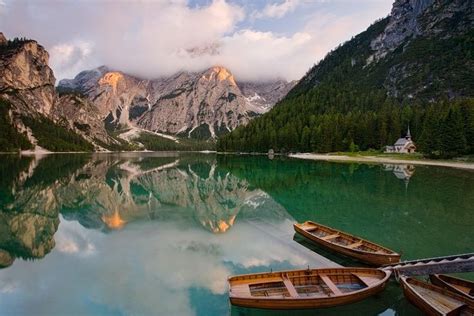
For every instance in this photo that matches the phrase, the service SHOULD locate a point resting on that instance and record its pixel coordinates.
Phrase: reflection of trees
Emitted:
(29, 208)
(108, 191)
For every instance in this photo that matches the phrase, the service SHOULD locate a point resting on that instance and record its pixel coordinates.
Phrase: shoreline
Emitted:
(382, 160)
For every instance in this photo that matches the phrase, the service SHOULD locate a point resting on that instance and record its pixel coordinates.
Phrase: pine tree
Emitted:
(453, 140)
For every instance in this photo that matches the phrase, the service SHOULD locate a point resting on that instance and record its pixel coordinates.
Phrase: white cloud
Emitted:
(68, 59)
(147, 268)
(278, 10)
(159, 38)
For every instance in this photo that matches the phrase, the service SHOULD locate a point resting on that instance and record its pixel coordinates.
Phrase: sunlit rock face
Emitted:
(210, 101)
(25, 77)
(27, 82)
(192, 104)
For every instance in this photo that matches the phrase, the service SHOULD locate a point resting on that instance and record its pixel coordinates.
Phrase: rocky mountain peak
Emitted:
(219, 73)
(403, 24)
(25, 77)
(195, 104)
(111, 79)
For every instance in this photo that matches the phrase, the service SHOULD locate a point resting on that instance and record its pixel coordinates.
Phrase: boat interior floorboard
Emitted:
(443, 303)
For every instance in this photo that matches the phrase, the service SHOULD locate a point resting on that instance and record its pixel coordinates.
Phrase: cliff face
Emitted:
(25, 77)
(403, 23)
(81, 116)
(420, 51)
(410, 19)
(211, 100)
(201, 104)
(33, 108)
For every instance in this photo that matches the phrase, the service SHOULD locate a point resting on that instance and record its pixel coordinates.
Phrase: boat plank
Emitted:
(460, 286)
(435, 300)
(304, 289)
(348, 244)
(443, 303)
(330, 284)
(289, 286)
(355, 245)
(369, 281)
(332, 236)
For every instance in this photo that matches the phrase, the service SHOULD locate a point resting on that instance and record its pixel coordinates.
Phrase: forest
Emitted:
(440, 130)
(346, 103)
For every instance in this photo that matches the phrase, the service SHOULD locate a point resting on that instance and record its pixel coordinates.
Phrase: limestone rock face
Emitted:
(210, 99)
(195, 104)
(264, 95)
(412, 18)
(80, 115)
(25, 77)
(403, 23)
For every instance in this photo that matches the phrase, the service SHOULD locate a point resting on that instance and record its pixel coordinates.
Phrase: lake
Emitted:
(159, 233)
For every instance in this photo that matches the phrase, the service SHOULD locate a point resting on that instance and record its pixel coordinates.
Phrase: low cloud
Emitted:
(278, 10)
(159, 38)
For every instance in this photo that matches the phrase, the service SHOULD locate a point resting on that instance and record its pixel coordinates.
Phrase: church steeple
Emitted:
(408, 137)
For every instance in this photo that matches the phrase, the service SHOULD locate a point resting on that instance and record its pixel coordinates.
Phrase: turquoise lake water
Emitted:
(158, 234)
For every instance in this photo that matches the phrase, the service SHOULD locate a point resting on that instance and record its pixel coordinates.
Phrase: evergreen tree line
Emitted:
(440, 130)
(345, 103)
(10, 138)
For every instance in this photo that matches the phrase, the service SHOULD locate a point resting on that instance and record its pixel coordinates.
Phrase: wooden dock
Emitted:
(437, 265)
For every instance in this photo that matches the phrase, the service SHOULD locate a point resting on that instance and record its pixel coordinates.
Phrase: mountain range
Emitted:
(188, 104)
(413, 68)
(103, 109)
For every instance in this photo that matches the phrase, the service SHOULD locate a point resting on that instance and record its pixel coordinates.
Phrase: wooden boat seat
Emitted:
(355, 245)
(332, 236)
(289, 286)
(457, 310)
(241, 290)
(366, 280)
(330, 284)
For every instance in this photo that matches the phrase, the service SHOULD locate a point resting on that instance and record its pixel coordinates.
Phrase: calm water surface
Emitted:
(158, 234)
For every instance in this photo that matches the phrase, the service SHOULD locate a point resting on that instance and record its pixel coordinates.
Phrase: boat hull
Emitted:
(303, 303)
(310, 303)
(424, 305)
(364, 256)
(449, 283)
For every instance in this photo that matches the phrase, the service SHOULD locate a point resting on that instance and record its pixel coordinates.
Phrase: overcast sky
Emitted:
(255, 39)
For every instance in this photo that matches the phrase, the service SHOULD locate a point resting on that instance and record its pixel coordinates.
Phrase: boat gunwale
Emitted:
(407, 283)
(362, 252)
(451, 286)
(380, 282)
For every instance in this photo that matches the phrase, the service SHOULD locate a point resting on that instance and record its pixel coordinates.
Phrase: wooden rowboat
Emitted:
(310, 288)
(347, 244)
(460, 286)
(434, 300)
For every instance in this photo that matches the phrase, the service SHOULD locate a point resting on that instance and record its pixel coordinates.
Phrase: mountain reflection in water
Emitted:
(158, 234)
(108, 192)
